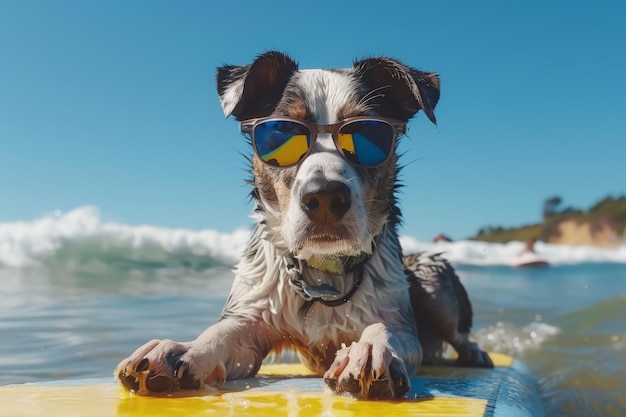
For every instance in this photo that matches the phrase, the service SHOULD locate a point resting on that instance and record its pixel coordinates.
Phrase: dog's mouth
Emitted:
(333, 243)
(325, 238)
(326, 235)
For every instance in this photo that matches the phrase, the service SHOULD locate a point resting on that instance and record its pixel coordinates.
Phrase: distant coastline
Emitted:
(602, 225)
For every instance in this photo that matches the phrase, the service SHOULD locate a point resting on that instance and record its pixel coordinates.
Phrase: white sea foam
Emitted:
(485, 254)
(506, 338)
(27, 243)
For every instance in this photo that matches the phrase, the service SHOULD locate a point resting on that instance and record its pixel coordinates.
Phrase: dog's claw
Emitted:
(129, 382)
(162, 366)
(179, 369)
(143, 365)
(355, 371)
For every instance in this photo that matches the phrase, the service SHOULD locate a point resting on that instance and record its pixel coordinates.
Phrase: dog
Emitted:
(323, 273)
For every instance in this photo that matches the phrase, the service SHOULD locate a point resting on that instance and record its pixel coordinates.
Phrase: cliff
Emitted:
(602, 225)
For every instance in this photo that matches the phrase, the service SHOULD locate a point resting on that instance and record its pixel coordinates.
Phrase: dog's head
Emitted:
(325, 202)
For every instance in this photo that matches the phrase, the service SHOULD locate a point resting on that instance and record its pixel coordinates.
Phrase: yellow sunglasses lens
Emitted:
(281, 143)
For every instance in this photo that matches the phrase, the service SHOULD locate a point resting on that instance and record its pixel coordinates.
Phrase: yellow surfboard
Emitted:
(290, 390)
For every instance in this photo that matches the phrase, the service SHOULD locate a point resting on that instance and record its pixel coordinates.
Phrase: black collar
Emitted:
(344, 299)
(325, 294)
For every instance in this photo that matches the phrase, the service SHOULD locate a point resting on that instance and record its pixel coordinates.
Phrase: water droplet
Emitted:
(538, 317)
(238, 364)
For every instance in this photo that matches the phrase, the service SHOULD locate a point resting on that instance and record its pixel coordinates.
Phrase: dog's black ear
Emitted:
(254, 90)
(400, 91)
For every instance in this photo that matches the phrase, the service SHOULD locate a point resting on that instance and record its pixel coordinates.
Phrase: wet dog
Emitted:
(323, 273)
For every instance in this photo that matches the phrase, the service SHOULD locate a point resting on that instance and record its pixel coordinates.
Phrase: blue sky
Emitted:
(113, 104)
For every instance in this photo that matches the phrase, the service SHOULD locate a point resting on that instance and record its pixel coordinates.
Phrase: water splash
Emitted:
(507, 338)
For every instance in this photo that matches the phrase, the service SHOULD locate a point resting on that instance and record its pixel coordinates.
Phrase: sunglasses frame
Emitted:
(399, 128)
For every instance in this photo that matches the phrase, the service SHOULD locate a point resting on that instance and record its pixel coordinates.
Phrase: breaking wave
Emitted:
(82, 233)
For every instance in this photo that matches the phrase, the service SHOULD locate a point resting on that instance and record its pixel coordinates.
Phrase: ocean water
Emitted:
(78, 294)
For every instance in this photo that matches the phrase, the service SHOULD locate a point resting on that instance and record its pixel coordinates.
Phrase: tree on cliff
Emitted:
(550, 206)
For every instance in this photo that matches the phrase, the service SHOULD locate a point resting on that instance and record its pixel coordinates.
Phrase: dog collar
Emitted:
(342, 299)
(322, 293)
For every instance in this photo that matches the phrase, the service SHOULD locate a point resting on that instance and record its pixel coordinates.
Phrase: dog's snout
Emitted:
(325, 201)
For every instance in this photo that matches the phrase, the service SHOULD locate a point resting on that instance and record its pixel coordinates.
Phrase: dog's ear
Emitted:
(254, 90)
(400, 91)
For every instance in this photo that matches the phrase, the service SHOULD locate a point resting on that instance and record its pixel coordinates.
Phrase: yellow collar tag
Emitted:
(326, 264)
(338, 266)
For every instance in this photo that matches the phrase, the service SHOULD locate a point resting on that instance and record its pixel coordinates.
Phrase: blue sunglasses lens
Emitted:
(366, 142)
(281, 143)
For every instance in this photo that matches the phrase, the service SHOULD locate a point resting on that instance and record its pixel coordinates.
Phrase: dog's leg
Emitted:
(443, 311)
(230, 349)
(373, 367)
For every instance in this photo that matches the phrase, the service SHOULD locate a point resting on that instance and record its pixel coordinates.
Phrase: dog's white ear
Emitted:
(401, 91)
(254, 90)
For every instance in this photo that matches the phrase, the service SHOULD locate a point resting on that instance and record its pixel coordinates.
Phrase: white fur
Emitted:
(326, 93)
(231, 96)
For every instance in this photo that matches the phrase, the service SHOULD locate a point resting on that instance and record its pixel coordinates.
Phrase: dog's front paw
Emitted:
(166, 366)
(368, 370)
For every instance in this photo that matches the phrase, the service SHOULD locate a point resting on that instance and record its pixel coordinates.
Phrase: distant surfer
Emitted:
(529, 247)
(528, 256)
(441, 238)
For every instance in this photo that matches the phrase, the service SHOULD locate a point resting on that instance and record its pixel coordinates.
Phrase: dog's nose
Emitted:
(325, 201)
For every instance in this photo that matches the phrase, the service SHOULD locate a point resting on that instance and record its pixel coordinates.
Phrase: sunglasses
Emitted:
(362, 141)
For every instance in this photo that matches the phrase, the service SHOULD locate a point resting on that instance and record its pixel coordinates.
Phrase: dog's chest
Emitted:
(314, 322)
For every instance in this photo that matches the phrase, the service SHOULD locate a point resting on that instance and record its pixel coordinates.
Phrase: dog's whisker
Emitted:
(371, 95)
(372, 92)
(368, 104)
(387, 206)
